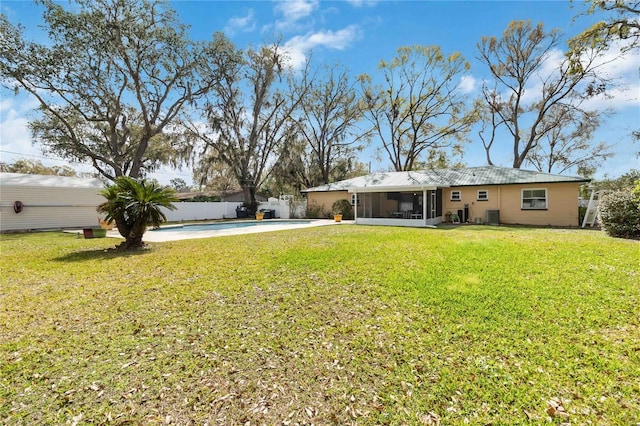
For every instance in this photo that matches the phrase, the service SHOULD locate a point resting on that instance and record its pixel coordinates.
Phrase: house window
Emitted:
(456, 195)
(354, 199)
(534, 199)
(483, 195)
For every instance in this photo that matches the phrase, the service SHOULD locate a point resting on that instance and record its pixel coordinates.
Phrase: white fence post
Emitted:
(281, 207)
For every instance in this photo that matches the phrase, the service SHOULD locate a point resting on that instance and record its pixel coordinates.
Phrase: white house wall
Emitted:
(48, 208)
(76, 208)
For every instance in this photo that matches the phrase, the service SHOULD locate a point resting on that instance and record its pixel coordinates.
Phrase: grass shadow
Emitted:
(501, 228)
(474, 226)
(110, 253)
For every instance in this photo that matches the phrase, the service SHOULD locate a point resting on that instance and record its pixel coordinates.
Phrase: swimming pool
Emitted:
(228, 225)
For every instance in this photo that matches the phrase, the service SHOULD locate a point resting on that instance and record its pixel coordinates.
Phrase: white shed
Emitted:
(30, 202)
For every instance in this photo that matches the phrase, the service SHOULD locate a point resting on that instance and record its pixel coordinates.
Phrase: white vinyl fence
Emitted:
(187, 211)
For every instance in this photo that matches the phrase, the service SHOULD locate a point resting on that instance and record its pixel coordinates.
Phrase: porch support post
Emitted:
(355, 206)
(424, 206)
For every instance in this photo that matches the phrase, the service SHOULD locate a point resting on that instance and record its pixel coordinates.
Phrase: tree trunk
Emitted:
(123, 228)
(249, 192)
(134, 238)
(489, 162)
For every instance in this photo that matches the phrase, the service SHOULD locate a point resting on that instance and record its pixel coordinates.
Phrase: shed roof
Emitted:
(28, 180)
(438, 178)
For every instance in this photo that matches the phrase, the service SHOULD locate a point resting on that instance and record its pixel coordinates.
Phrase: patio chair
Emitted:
(241, 212)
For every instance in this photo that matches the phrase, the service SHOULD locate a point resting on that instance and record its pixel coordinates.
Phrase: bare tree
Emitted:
(113, 77)
(568, 144)
(490, 120)
(249, 115)
(531, 102)
(297, 168)
(329, 114)
(418, 107)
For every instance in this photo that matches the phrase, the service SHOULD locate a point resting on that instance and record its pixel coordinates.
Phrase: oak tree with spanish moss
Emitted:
(111, 80)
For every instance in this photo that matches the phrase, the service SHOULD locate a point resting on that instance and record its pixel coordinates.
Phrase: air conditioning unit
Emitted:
(493, 217)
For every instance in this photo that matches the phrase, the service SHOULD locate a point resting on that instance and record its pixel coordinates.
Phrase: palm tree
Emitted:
(133, 205)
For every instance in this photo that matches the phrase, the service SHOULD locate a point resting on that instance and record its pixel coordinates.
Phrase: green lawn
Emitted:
(329, 325)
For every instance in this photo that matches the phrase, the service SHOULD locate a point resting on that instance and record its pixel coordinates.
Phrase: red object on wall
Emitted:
(18, 206)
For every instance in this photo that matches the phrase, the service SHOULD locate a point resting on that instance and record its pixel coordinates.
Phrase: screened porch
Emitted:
(402, 208)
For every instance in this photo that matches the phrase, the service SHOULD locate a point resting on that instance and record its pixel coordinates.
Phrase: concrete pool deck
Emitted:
(159, 237)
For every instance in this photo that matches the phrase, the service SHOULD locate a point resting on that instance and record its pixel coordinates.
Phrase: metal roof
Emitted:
(21, 179)
(439, 178)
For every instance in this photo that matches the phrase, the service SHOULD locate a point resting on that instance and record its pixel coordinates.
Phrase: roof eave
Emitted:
(406, 188)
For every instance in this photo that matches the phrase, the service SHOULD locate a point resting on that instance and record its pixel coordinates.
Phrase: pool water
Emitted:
(228, 225)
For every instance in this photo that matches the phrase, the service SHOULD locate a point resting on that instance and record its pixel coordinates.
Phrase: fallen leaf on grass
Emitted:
(556, 409)
(77, 419)
(430, 419)
(311, 411)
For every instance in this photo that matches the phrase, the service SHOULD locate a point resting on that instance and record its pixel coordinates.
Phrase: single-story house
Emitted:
(31, 202)
(487, 194)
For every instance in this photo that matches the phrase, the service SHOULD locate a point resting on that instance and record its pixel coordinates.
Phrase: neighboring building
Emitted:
(475, 194)
(31, 202)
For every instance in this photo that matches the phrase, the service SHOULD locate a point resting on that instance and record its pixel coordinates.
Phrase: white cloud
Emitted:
(14, 133)
(15, 137)
(20, 104)
(15, 142)
(467, 84)
(245, 23)
(6, 104)
(293, 11)
(13, 123)
(360, 3)
(620, 97)
(552, 63)
(298, 46)
(548, 68)
(623, 88)
(624, 85)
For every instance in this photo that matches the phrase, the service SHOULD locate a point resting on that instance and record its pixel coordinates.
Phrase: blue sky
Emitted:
(358, 34)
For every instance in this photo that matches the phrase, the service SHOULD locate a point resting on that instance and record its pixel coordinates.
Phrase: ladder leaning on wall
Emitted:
(591, 215)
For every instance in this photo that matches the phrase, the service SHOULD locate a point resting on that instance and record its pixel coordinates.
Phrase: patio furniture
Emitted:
(268, 213)
(241, 212)
(94, 232)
